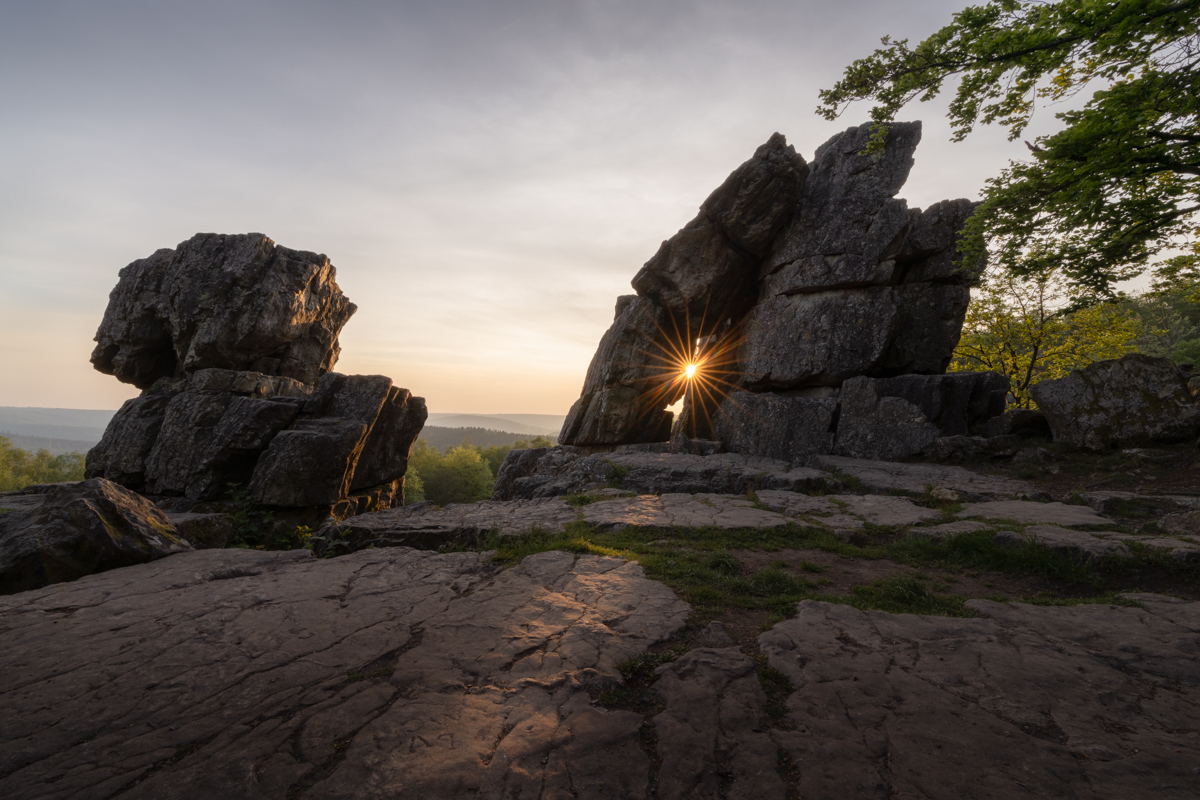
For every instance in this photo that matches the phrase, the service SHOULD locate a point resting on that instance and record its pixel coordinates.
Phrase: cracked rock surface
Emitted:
(385, 673)
(393, 673)
(1025, 701)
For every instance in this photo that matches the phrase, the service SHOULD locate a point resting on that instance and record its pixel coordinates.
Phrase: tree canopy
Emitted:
(1119, 184)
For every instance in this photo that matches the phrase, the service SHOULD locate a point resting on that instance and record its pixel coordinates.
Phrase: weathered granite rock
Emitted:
(227, 335)
(758, 198)
(821, 339)
(312, 463)
(886, 428)
(928, 326)
(816, 339)
(1080, 544)
(847, 228)
(274, 674)
(930, 245)
(712, 731)
(947, 530)
(196, 437)
(852, 283)
(1023, 511)
(888, 476)
(203, 531)
(233, 302)
(121, 454)
(1088, 701)
(708, 268)
(548, 472)
(1136, 399)
(62, 531)
(958, 403)
(776, 426)
(430, 527)
(385, 456)
(633, 377)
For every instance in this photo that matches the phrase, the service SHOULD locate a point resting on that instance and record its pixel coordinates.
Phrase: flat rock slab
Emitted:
(882, 476)
(385, 673)
(1078, 543)
(685, 510)
(1026, 701)
(1024, 511)
(427, 526)
(948, 529)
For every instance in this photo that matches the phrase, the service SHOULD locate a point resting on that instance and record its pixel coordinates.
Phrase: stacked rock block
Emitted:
(232, 339)
(837, 306)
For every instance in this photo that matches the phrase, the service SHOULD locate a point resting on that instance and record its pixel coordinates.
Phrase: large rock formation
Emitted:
(58, 532)
(793, 279)
(229, 302)
(232, 339)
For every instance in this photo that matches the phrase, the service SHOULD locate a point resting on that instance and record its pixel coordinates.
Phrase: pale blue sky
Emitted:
(486, 176)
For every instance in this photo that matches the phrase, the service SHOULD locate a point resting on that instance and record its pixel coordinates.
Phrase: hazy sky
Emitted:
(487, 177)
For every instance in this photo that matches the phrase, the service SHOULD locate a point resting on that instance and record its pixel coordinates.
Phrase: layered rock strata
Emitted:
(794, 280)
(232, 339)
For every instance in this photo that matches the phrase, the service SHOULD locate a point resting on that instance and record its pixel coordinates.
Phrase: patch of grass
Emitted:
(700, 565)
(577, 500)
(904, 594)
(851, 484)
(724, 562)
(1137, 507)
(355, 677)
(809, 566)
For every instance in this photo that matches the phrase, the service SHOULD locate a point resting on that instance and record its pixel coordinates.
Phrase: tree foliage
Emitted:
(1021, 328)
(20, 468)
(1119, 184)
(464, 474)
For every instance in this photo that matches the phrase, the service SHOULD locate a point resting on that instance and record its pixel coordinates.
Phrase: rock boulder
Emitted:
(234, 302)
(1133, 400)
(58, 532)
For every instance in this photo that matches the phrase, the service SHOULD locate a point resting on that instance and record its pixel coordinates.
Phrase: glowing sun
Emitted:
(690, 371)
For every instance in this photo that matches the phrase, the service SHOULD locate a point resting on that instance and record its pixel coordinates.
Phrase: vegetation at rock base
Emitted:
(463, 474)
(703, 565)
(20, 468)
(1119, 184)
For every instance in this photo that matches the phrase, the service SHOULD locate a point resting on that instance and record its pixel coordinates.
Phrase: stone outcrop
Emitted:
(58, 532)
(237, 302)
(1132, 400)
(232, 339)
(795, 278)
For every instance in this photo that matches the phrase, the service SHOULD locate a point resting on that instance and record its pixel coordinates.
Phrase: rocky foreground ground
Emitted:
(557, 667)
(400, 673)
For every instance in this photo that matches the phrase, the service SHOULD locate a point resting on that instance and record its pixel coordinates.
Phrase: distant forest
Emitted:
(445, 438)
